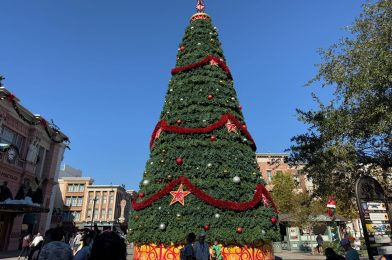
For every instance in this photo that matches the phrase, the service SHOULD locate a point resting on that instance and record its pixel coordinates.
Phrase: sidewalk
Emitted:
(9, 254)
(302, 255)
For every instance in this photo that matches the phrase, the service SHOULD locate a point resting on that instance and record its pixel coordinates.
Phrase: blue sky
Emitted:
(100, 68)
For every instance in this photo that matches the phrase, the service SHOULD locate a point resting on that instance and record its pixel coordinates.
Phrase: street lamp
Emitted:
(92, 216)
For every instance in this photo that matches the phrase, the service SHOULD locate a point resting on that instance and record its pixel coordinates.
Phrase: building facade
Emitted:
(30, 156)
(82, 204)
(271, 163)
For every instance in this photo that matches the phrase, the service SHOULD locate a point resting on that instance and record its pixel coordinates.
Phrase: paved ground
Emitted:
(13, 255)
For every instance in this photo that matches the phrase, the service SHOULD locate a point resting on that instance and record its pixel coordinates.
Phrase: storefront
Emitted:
(11, 213)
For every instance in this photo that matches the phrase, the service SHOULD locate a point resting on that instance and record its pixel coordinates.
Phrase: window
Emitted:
(76, 215)
(90, 200)
(103, 199)
(80, 201)
(70, 187)
(110, 212)
(103, 214)
(9, 136)
(111, 199)
(89, 213)
(269, 176)
(68, 201)
(73, 201)
(81, 187)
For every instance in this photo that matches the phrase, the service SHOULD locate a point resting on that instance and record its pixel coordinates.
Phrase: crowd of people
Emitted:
(86, 244)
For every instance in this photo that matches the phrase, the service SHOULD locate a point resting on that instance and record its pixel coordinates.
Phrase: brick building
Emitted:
(271, 163)
(30, 156)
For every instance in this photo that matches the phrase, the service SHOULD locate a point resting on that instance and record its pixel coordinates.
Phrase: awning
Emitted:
(318, 218)
(21, 209)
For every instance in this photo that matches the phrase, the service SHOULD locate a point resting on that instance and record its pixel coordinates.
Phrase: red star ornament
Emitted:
(214, 63)
(179, 196)
(231, 127)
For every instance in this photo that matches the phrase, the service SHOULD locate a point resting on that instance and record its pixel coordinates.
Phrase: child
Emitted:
(213, 255)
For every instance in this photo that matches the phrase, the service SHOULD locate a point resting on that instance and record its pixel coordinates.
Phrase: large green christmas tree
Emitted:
(201, 146)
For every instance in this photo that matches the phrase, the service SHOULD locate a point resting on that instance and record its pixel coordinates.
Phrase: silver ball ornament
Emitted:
(209, 165)
(236, 179)
(217, 215)
(162, 226)
(146, 182)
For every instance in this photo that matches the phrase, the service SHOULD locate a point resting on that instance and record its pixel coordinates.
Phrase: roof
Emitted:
(318, 218)
(4, 93)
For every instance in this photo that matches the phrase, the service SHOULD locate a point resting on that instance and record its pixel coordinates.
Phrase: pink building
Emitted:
(31, 150)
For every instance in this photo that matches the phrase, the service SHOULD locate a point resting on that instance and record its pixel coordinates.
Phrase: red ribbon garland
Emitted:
(183, 130)
(222, 204)
(202, 62)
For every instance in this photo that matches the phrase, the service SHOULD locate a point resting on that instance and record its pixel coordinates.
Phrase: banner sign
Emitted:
(375, 219)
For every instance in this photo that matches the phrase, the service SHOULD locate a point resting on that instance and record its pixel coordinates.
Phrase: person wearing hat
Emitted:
(201, 248)
(351, 253)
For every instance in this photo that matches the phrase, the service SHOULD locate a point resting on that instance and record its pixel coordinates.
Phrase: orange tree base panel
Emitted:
(263, 251)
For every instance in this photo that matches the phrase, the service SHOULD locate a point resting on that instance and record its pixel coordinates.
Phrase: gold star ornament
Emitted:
(179, 196)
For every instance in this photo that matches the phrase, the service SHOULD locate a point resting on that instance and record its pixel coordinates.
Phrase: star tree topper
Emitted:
(179, 196)
(200, 7)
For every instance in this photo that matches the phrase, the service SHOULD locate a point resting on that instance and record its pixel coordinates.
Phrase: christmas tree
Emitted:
(202, 173)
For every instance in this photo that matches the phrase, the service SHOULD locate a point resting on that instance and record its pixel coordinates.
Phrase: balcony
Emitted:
(17, 163)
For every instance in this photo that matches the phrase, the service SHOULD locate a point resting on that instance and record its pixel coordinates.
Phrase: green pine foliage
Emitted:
(209, 165)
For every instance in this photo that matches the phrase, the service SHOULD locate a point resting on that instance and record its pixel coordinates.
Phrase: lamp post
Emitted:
(93, 213)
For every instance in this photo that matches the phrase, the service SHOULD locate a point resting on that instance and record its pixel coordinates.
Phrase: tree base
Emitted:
(262, 251)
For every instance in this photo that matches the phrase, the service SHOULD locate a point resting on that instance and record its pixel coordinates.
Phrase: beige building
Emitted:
(82, 204)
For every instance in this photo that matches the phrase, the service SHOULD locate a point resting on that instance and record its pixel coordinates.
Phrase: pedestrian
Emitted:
(332, 255)
(35, 245)
(357, 244)
(76, 242)
(84, 252)
(55, 248)
(187, 253)
(218, 250)
(351, 253)
(25, 246)
(201, 248)
(108, 245)
(320, 241)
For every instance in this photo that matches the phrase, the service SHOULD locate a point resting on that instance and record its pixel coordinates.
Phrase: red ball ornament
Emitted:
(182, 48)
(240, 107)
(274, 220)
(206, 227)
(239, 230)
(179, 161)
(178, 121)
(210, 97)
(141, 194)
(213, 138)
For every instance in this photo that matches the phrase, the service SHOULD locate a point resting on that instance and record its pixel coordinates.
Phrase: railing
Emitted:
(18, 163)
